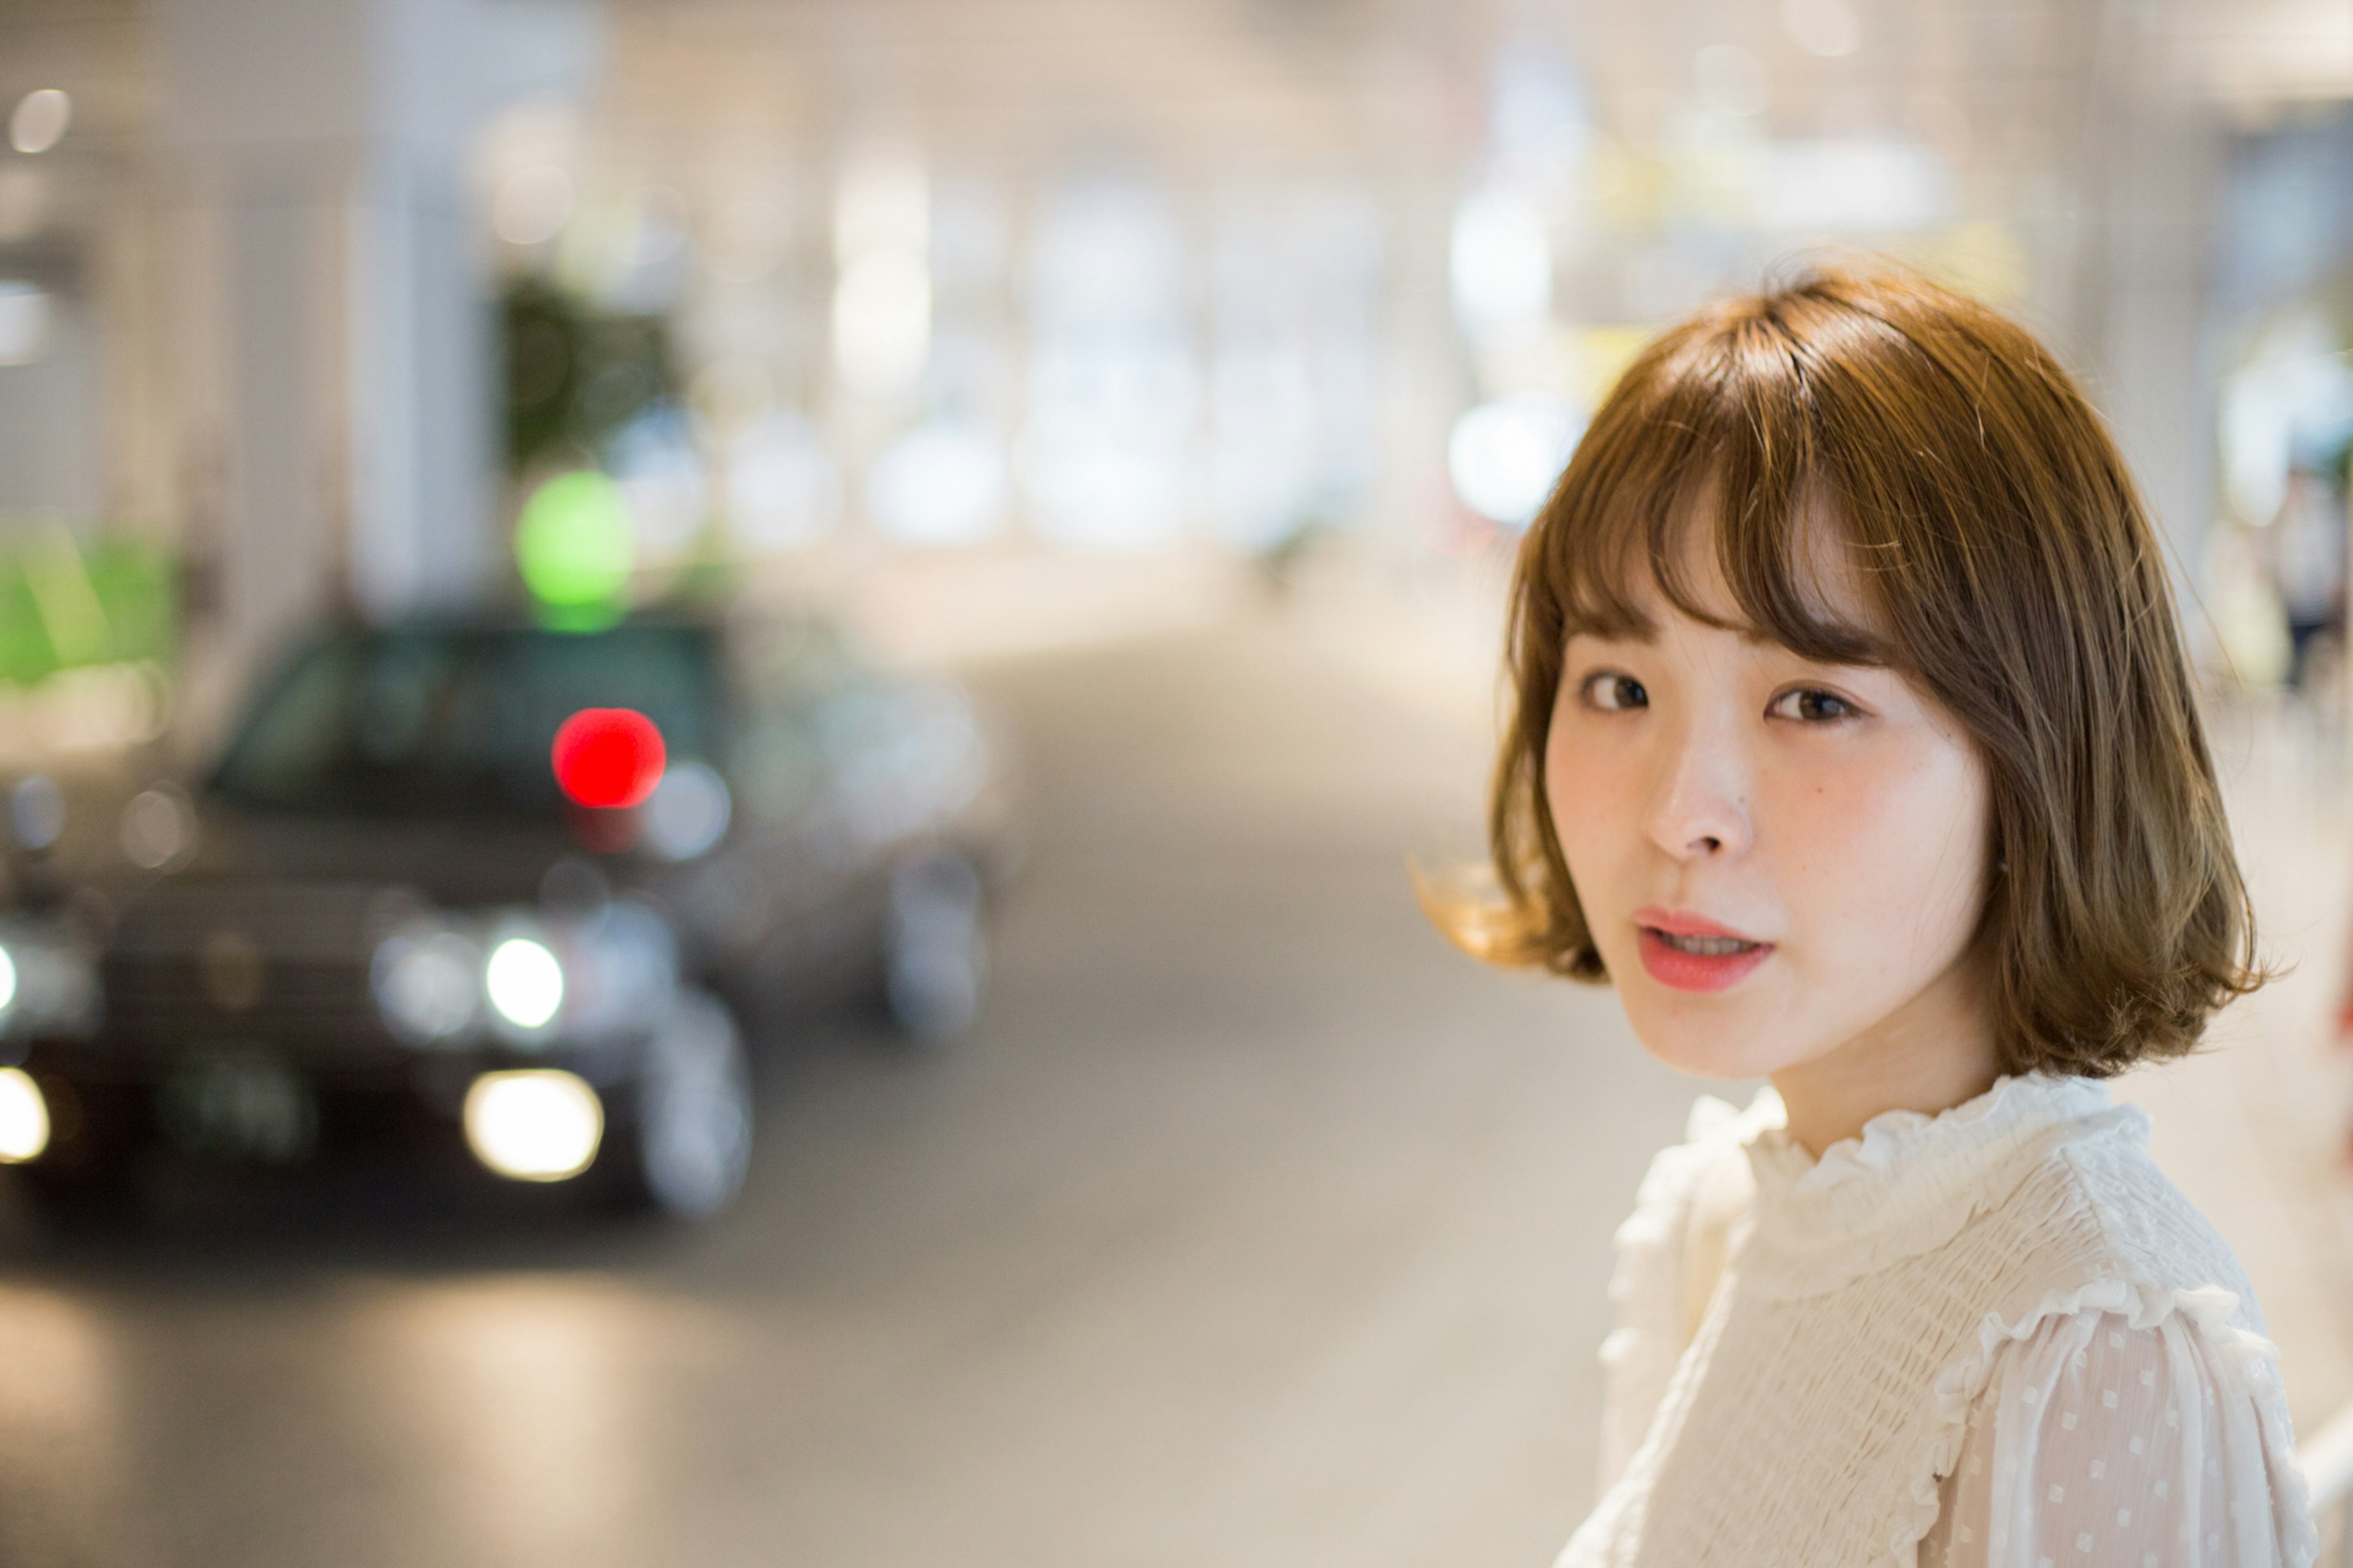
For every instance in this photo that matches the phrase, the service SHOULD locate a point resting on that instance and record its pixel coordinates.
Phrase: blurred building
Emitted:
(306, 296)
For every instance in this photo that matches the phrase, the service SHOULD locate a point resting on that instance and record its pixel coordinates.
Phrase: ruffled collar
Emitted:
(1909, 1182)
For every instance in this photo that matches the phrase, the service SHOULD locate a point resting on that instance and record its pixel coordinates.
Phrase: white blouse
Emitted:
(2089, 1383)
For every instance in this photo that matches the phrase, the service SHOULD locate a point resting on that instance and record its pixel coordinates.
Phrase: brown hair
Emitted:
(1992, 524)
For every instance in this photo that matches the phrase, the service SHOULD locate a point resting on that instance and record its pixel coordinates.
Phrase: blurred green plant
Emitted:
(575, 375)
(66, 603)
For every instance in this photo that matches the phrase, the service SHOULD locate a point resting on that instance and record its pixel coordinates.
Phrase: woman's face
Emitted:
(1778, 859)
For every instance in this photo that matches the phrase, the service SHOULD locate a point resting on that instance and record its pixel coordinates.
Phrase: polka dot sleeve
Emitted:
(2098, 1443)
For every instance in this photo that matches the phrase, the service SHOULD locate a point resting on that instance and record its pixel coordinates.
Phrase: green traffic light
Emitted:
(577, 548)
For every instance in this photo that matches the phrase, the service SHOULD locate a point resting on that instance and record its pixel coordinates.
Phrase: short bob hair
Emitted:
(1991, 524)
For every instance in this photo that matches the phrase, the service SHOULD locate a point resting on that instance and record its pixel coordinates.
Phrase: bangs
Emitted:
(1717, 461)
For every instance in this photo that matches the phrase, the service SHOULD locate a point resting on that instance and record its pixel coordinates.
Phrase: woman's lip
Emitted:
(1684, 971)
(1682, 922)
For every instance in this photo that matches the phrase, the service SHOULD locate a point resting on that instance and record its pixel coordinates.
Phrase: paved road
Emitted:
(1253, 1227)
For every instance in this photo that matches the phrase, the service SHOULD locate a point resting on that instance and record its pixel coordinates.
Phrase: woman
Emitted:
(1854, 745)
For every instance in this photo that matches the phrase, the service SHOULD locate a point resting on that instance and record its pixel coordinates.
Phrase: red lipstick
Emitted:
(1690, 952)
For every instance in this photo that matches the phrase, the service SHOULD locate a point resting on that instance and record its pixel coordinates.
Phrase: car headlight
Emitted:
(533, 1126)
(524, 980)
(48, 984)
(24, 1118)
(427, 983)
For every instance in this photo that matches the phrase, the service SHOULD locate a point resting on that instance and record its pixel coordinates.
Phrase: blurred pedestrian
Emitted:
(1854, 744)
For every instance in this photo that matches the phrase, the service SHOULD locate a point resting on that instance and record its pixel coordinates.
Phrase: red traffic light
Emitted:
(607, 757)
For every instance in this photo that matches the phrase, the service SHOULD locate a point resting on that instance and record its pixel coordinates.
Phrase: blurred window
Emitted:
(442, 722)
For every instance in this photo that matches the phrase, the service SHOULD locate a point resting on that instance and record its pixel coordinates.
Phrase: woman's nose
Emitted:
(1700, 801)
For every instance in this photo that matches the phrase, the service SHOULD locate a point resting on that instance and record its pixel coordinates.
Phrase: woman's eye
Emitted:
(1612, 693)
(1812, 706)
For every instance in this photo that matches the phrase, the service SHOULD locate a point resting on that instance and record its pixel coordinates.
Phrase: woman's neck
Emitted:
(1935, 1053)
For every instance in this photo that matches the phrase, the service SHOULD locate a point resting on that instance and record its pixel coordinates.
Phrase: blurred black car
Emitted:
(494, 885)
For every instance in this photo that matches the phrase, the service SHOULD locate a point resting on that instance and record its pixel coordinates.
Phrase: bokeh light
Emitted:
(1504, 456)
(24, 1118)
(524, 980)
(575, 544)
(533, 205)
(40, 119)
(158, 828)
(1501, 261)
(942, 483)
(533, 1126)
(607, 757)
(882, 298)
(882, 321)
(688, 812)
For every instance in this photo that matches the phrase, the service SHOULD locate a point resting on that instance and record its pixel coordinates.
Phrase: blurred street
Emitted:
(1254, 1226)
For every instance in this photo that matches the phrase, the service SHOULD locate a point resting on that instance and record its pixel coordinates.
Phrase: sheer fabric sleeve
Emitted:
(1669, 1252)
(2098, 1443)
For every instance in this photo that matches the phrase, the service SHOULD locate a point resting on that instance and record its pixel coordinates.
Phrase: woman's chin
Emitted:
(1713, 1065)
(1705, 1042)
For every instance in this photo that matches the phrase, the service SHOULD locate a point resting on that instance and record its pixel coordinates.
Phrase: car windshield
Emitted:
(442, 722)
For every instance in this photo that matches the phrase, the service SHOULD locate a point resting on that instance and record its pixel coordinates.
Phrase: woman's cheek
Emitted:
(1831, 826)
(1589, 818)
(1884, 847)
(1589, 786)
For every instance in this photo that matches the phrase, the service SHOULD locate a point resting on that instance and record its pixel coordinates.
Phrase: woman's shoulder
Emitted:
(2120, 1215)
(2097, 1225)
